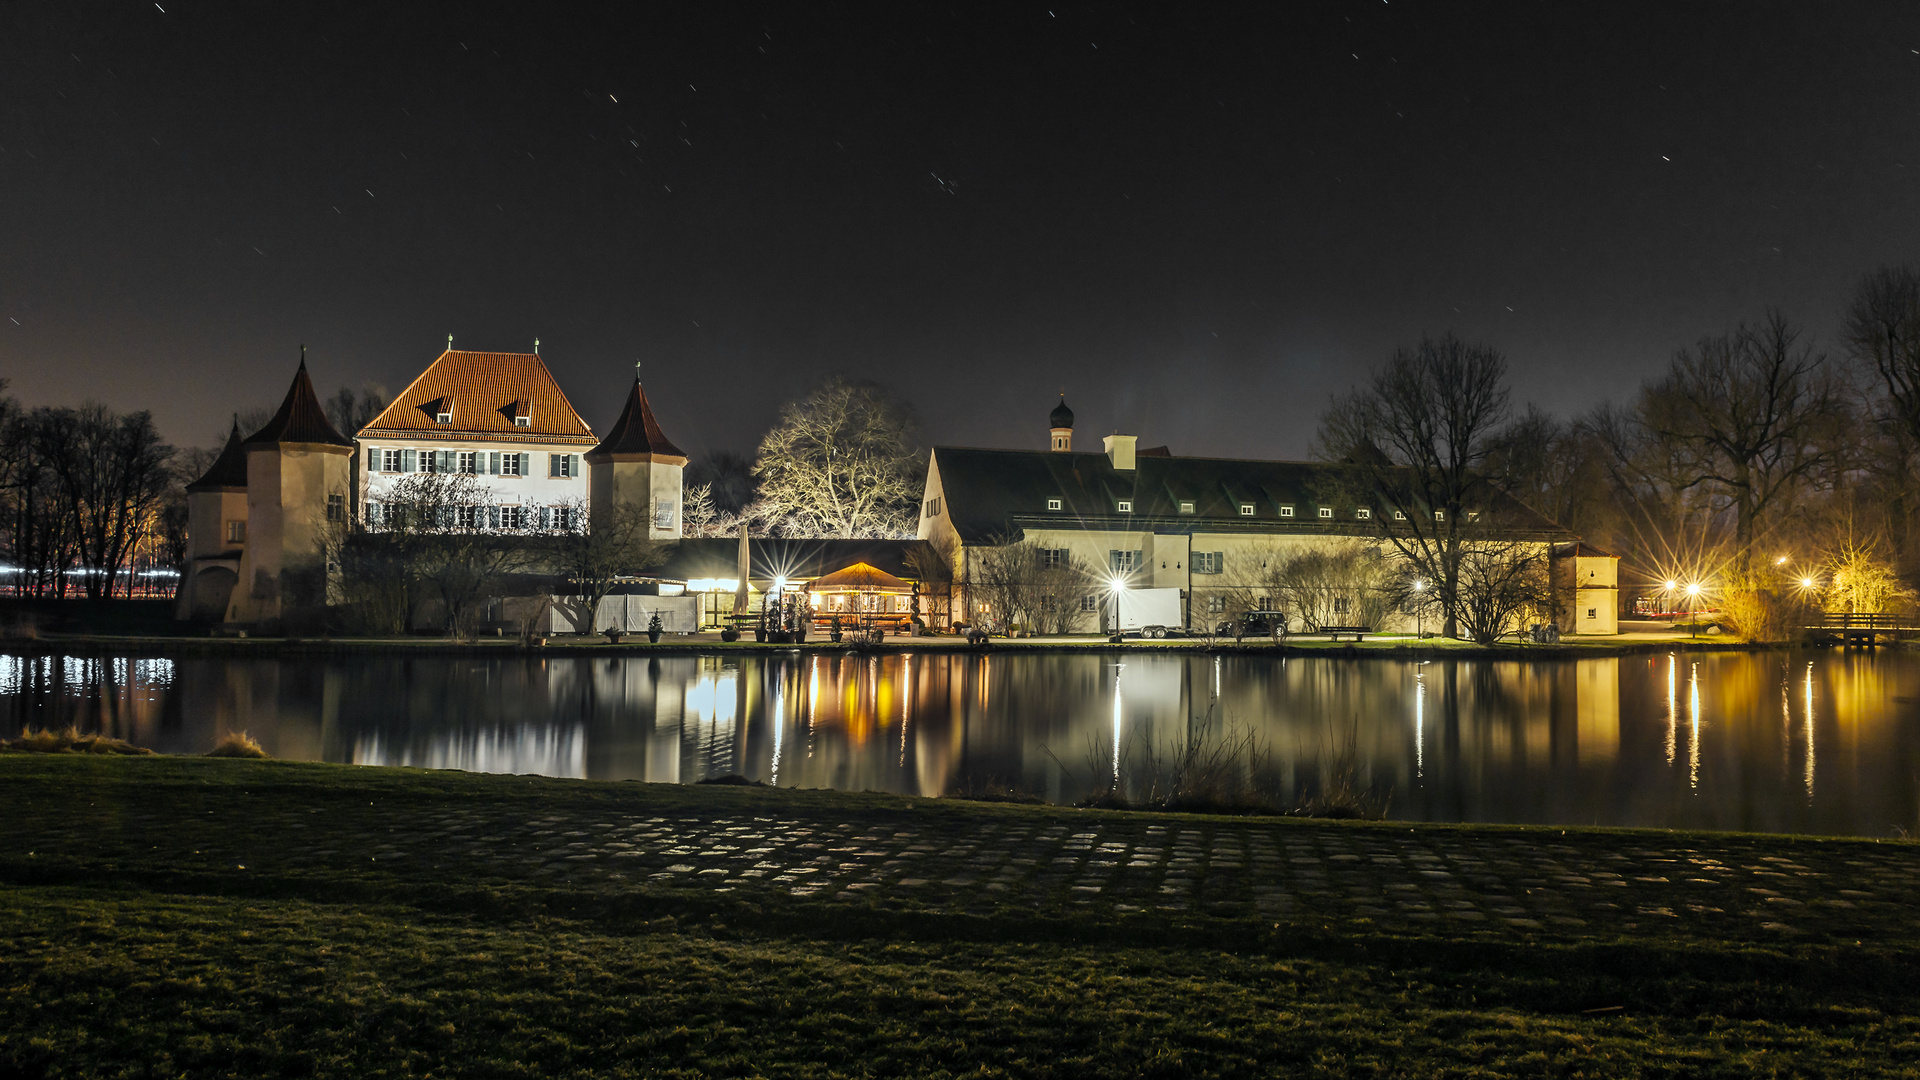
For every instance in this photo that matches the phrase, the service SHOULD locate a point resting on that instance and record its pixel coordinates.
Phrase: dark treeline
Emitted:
(81, 490)
(1774, 473)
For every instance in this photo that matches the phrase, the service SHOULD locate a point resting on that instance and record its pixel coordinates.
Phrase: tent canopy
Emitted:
(860, 577)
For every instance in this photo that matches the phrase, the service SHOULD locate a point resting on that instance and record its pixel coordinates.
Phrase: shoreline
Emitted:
(146, 646)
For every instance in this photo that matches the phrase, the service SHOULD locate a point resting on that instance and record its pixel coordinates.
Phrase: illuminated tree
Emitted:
(842, 461)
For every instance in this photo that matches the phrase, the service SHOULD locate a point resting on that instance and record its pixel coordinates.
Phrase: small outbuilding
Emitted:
(1586, 581)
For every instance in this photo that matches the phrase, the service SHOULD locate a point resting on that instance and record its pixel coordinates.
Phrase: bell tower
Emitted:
(1060, 426)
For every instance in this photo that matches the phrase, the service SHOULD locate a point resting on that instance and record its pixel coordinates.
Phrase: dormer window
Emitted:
(1246, 509)
(519, 421)
(1363, 514)
(1126, 506)
(1439, 515)
(1286, 511)
(443, 418)
(1399, 515)
(1326, 511)
(1053, 504)
(1186, 508)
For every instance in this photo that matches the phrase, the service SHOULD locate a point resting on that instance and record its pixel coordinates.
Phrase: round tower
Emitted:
(1060, 426)
(299, 475)
(636, 470)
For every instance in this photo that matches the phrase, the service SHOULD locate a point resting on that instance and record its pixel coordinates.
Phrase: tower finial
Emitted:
(303, 354)
(636, 370)
(449, 342)
(536, 346)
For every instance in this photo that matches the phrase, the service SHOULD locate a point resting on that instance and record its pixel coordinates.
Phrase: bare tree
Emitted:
(1026, 584)
(1349, 584)
(845, 460)
(1755, 415)
(112, 474)
(1499, 582)
(594, 561)
(431, 542)
(1883, 333)
(1413, 444)
(350, 411)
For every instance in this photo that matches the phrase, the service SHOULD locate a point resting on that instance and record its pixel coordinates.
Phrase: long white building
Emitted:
(498, 416)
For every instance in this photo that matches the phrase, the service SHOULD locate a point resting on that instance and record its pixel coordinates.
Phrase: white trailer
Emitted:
(1147, 612)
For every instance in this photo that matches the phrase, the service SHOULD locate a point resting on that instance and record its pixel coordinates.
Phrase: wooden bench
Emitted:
(1336, 632)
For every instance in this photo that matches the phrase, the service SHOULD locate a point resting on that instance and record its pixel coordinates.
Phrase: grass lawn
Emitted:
(231, 918)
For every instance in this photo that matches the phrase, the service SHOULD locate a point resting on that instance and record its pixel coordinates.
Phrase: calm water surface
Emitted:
(1818, 742)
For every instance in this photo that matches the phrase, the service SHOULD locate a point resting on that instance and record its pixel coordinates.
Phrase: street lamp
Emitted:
(1419, 610)
(1116, 584)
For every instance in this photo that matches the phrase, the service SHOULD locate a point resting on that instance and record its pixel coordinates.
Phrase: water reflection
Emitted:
(1593, 741)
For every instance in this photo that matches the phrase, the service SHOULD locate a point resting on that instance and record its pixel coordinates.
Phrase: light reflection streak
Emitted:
(1117, 669)
(1693, 737)
(906, 703)
(1809, 731)
(1673, 713)
(779, 720)
(1419, 723)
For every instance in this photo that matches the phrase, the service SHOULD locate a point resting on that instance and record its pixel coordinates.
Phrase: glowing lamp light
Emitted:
(1671, 586)
(1693, 589)
(1806, 583)
(1781, 561)
(779, 584)
(1116, 584)
(1419, 586)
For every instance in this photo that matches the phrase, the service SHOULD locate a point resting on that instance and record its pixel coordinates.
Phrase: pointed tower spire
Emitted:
(636, 432)
(229, 470)
(300, 419)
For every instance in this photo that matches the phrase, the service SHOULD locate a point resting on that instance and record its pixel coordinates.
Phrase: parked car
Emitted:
(1254, 624)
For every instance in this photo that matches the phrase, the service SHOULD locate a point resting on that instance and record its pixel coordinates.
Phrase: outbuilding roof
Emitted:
(484, 392)
(796, 560)
(995, 494)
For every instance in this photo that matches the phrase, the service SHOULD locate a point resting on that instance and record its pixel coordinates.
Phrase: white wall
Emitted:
(534, 490)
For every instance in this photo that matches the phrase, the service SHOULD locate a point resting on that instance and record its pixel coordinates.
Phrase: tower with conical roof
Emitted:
(1060, 426)
(636, 469)
(216, 533)
(299, 480)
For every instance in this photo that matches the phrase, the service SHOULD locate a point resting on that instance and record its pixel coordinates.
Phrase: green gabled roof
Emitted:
(990, 494)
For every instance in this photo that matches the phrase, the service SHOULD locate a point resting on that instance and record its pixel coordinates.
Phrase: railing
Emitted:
(1865, 623)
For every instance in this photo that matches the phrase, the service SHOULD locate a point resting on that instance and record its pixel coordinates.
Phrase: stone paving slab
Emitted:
(1478, 881)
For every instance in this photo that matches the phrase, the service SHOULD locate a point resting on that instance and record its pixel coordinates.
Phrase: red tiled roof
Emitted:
(300, 419)
(485, 392)
(636, 432)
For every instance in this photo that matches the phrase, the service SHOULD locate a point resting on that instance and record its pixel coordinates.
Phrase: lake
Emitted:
(1811, 742)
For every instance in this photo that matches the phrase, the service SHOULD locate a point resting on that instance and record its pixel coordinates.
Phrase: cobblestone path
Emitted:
(1493, 881)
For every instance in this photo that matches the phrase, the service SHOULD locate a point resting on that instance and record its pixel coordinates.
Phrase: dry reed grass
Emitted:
(237, 744)
(68, 741)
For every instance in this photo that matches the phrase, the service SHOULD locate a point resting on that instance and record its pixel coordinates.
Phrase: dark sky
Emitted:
(1201, 224)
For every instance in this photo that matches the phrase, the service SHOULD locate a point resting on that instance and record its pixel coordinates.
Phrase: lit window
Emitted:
(1326, 511)
(1246, 509)
(1439, 515)
(1286, 511)
(1364, 514)
(1186, 508)
(1053, 504)
(237, 531)
(1126, 506)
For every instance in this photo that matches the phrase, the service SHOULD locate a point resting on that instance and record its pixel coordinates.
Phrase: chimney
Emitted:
(1120, 450)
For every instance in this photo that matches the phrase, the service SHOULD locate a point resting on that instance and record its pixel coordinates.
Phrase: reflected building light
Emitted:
(1419, 724)
(1117, 669)
(779, 721)
(906, 703)
(1809, 693)
(1693, 739)
(539, 749)
(1673, 715)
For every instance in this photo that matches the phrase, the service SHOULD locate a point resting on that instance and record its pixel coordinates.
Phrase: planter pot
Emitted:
(653, 637)
(729, 634)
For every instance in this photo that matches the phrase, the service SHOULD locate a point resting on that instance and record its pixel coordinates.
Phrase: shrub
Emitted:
(237, 744)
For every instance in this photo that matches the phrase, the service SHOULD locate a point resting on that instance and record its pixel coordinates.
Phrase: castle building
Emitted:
(1128, 517)
(499, 417)
(294, 480)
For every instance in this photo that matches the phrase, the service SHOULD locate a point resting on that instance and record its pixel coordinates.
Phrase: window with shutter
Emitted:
(407, 460)
(373, 460)
(493, 463)
(555, 464)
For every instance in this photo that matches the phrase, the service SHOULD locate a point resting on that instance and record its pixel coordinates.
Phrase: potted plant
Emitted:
(833, 630)
(654, 628)
(729, 632)
(613, 635)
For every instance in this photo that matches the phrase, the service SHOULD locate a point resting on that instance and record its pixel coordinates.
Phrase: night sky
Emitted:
(1200, 225)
